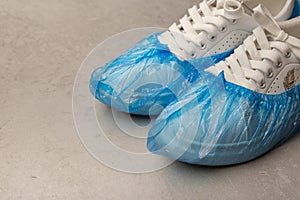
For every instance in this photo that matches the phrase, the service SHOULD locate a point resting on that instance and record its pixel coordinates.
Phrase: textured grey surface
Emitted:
(43, 43)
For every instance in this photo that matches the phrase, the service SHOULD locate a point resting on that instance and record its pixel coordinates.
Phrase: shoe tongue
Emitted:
(265, 19)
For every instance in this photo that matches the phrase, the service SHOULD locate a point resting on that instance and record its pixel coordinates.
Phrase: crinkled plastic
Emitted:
(147, 78)
(218, 123)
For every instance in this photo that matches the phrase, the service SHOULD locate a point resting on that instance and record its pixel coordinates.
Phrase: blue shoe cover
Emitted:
(218, 123)
(146, 78)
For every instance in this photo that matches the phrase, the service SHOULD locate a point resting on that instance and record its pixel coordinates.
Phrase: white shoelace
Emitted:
(256, 60)
(204, 23)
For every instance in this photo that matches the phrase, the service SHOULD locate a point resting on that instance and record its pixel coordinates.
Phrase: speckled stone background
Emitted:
(42, 44)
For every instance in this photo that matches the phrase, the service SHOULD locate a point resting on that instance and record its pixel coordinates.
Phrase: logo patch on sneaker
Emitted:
(289, 80)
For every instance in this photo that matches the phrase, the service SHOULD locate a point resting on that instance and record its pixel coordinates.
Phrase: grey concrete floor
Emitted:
(43, 43)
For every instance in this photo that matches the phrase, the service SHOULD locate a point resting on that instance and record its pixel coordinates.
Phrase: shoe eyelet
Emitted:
(262, 85)
(279, 64)
(203, 45)
(212, 38)
(223, 29)
(193, 55)
(270, 74)
(288, 54)
(234, 21)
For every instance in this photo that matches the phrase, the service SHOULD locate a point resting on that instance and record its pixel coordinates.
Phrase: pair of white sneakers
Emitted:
(226, 77)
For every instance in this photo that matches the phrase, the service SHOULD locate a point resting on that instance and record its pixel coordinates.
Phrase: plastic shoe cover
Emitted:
(223, 124)
(147, 78)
